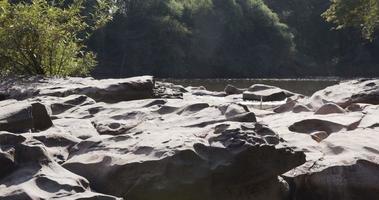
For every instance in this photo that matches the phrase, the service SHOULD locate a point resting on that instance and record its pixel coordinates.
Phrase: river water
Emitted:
(301, 86)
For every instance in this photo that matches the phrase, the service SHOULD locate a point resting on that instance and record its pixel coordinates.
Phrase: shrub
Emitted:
(45, 38)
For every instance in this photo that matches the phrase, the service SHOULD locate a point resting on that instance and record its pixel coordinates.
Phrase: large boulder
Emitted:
(194, 150)
(331, 124)
(341, 152)
(346, 168)
(107, 90)
(24, 116)
(260, 92)
(349, 92)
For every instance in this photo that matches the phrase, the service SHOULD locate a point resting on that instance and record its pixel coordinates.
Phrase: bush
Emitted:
(45, 38)
(363, 14)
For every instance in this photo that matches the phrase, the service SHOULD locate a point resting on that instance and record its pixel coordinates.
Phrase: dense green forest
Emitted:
(191, 38)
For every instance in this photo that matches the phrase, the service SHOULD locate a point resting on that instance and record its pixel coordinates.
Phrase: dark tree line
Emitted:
(194, 38)
(230, 38)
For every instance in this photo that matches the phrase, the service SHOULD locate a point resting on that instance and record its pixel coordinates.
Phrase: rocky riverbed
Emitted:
(138, 139)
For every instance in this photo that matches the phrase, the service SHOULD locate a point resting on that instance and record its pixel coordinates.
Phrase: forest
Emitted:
(192, 38)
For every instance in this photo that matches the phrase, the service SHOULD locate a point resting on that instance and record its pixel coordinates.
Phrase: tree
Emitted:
(363, 14)
(47, 37)
(194, 38)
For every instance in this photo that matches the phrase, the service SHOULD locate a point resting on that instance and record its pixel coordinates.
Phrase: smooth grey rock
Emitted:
(230, 89)
(24, 116)
(300, 108)
(107, 90)
(329, 108)
(349, 92)
(350, 182)
(28, 172)
(260, 92)
(197, 151)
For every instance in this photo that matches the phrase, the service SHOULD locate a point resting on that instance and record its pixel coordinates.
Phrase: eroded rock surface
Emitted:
(29, 172)
(186, 143)
(341, 145)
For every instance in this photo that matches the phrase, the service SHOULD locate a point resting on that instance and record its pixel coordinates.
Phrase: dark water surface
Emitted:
(302, 86)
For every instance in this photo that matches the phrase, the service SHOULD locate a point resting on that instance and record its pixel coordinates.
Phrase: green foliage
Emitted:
(356, 13)
(44, 37)
(194, 38)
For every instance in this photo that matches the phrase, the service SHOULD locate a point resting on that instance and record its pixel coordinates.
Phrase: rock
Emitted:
(345, 168)
(300, 108)
(23, 116)
(60, 105)
(56, 142)
(316, 102)
(7, 164)
(234, 109)
(349, 92)
(230, 89)
(202, 91)
(168, 90)
(357, 107)
(29, 173)
(331, 124)
(312, 125)
(371, 118)
(259, 92)
(41, 118)
(79, 128)
(329, 108)
(196, 151)
(107, 90)
(205, 146)
(357, 181)
(288, 106)
(318, 136)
